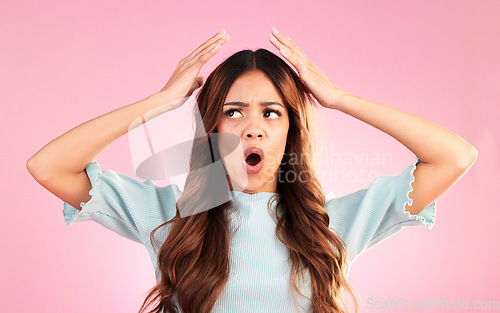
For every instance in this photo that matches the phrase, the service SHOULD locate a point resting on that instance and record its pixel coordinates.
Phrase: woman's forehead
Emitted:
(253, 87)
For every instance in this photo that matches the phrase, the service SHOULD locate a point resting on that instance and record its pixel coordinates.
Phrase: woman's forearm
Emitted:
(71, 152)
(431, 143)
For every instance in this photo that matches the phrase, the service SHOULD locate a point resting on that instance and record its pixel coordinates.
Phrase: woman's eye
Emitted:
(272, 114)
(232, 113)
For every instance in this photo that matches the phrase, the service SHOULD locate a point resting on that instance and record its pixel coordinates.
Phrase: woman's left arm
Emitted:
(444, 156)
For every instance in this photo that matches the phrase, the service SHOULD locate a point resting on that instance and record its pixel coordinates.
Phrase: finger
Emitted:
(294, 60)
(276, 42)
(207, 43)
(198, 62)
(288, 43)
(202, 59)
(203, 56)
(287, 54)
(220, 42)
(198, 82)
(210, 41)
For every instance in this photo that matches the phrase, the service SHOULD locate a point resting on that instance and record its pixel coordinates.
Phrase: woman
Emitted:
(269, 238)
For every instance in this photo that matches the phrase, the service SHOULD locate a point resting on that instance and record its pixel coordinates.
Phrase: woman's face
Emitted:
(254, 112)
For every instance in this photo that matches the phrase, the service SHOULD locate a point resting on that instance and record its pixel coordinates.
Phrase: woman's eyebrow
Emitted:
(243, 104)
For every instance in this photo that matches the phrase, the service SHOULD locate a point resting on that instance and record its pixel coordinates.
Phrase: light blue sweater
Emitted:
(259, 270)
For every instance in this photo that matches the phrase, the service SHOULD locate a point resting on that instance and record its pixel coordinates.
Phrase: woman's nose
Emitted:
(254, 129)
(254, 133)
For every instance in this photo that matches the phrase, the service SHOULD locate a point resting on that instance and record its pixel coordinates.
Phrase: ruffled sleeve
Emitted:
(368, 216)
(123, 204)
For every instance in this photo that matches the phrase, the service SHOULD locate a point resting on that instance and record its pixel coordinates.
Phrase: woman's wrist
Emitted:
(340, 99)
(161, 102)
(161, 98)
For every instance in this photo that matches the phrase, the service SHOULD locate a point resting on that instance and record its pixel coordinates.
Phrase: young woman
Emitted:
(270, 238)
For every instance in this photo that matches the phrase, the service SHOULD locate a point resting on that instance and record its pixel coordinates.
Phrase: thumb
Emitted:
(198, 82)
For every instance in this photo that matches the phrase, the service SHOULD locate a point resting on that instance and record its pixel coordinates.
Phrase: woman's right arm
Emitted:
(60, 165)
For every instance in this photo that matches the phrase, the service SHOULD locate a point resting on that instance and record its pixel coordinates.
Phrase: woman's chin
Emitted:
(244, 182)
(252, 184)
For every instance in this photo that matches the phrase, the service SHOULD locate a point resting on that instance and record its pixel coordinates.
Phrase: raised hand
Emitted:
(325, 92)
(185, 79)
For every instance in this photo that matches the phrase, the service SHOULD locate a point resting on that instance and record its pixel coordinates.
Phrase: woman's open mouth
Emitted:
(254, 159)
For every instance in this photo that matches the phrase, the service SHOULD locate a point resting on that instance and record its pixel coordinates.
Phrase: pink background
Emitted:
(66, 62)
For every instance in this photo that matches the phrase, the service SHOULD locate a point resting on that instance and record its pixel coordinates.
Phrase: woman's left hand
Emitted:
(325, 92)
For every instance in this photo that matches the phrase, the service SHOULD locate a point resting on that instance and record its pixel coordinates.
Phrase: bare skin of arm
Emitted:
(60, 165)
(444, 156)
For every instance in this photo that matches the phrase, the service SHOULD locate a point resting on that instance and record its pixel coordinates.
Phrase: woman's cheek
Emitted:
(271, 163)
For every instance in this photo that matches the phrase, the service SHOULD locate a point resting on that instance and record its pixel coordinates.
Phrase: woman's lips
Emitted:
(254, 169)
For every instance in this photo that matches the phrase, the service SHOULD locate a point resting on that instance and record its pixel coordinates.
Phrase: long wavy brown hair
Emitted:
(193, 261)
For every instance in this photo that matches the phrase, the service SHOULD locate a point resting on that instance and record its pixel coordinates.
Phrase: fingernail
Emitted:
(283, 52)
(275, 30)
(225, 36)
(221, 31)
(272, 38)
(216, 47)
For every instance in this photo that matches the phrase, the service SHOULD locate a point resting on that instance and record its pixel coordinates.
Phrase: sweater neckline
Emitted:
(256, 195)
(253, 204)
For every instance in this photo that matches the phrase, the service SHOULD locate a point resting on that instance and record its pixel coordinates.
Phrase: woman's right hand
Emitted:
(185, 79)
